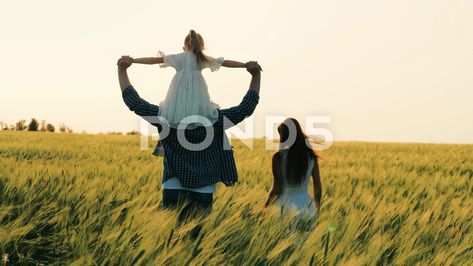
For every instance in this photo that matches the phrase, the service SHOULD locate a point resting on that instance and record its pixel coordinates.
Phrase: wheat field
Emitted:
(76, 199)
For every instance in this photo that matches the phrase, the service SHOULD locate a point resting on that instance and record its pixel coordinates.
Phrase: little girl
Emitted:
(188, 93)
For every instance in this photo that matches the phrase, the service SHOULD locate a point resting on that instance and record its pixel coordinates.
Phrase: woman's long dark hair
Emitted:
(195, 43)
(299, 150)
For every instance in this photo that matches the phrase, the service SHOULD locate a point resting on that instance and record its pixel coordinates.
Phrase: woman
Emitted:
(293, 165)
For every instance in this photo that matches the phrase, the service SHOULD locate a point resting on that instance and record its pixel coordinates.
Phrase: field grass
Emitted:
(93, 200)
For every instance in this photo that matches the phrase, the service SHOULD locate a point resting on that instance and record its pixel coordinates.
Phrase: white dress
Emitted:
(188, 94)
(296, 197)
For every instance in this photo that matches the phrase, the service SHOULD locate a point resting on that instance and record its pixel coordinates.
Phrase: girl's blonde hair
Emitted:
(195, 43)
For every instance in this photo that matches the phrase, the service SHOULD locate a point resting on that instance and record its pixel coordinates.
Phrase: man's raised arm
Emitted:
(131, 98)
(236, 114)
(255, 70)
(123, 64)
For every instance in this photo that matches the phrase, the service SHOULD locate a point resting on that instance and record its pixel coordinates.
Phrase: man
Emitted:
(194, 159)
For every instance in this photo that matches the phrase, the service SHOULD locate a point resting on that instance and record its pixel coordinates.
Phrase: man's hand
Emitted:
(253, 67)
(255, 70)
(124, 62)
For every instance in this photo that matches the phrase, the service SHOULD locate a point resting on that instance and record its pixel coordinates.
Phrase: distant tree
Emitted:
(3, 125)
(33, 125)
(12, 127)
(43, 126)
(20, 125)
(133, 132)
(64, 128)
(50, 128)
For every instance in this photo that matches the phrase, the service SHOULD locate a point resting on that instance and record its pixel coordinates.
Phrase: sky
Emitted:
(396, 71)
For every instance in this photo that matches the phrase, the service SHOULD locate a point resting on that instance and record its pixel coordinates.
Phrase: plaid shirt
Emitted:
(214, 163)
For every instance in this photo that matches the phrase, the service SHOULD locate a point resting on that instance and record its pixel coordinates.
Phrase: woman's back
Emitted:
(296, 196)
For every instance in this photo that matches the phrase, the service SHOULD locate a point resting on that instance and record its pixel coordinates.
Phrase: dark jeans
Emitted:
(194, 203)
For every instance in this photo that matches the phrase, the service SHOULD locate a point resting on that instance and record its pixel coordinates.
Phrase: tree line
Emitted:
(43, 126)
(34, 125)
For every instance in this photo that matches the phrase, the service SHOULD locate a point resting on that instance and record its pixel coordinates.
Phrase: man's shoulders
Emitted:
(250, 96)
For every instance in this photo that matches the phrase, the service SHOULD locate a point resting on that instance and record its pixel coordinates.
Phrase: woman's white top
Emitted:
(296, 197)
(188, 97)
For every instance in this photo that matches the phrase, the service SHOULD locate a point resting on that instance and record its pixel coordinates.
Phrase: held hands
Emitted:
(253, 67)
(124, 62)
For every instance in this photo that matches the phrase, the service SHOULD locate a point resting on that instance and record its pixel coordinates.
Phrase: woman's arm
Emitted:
(233, 64)
(317, 184)
(277, 180)
(148, 60)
